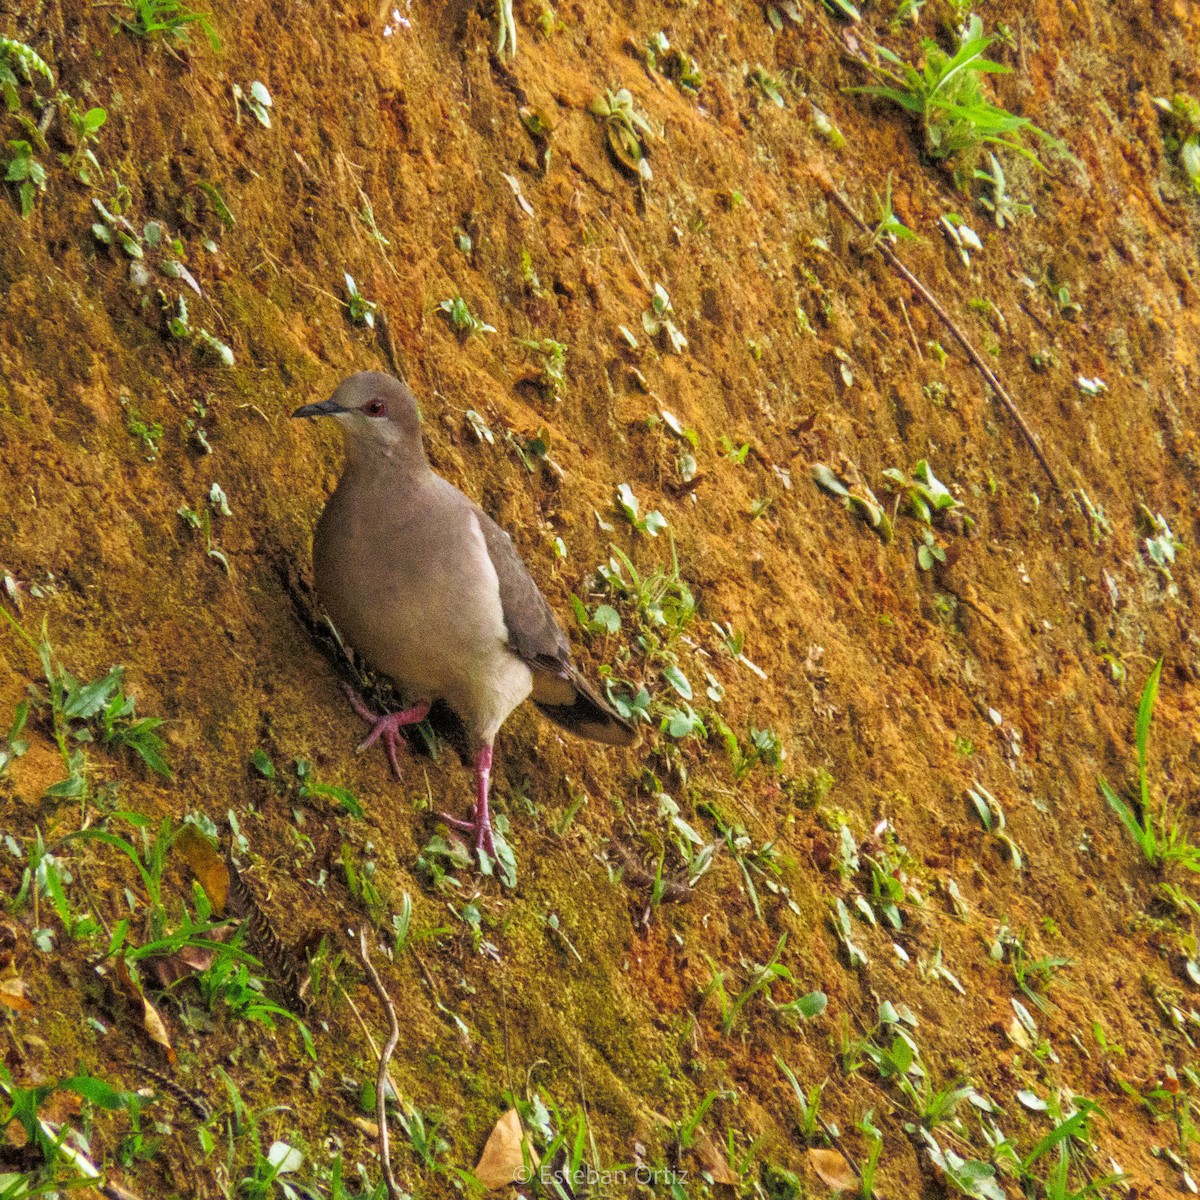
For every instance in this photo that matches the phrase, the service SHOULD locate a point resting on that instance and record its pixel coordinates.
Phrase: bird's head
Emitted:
(378, 414)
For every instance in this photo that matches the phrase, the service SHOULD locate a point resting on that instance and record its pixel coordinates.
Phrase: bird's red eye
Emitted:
(376, 408)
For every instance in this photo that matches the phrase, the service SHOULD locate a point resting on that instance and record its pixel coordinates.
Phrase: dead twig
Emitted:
(381, 1080)
(828, 186)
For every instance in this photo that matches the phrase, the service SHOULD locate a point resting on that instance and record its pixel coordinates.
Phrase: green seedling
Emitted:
(202, 521)
(148, 433)
(21, 64)
(362, 310)
(13, 745)
(1032, 975)
(653, 523)
(627, 131)
(1004, 209)
(761, 978)
(506, 31)
(1158, 541)
(674, 64)
(84, 712)
(808, 1103)
(768, 85)
(857, 499)
(168, 20)
(603, 619)
(180, 328)
(20, 61)
(890, 228)
(991, 815)
(1181, 137)
(259, 102)
(554, 357)
(926, 497)
(462, 320)
(270, 1172)
(81, 161)
(658, 319)
(946, 95)
(1162, 840)
(24, 170)
(845, 935)
(229, 983)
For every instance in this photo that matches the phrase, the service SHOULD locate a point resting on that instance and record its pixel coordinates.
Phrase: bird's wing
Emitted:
(535, 636)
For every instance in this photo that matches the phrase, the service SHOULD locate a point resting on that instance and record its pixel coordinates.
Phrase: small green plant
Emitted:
(149, 433)
(81, 161)
(626, 130)
(762, 976)
(554, 358)
(169, 20)
(1033, 976)
(1182, 135)
(20, 61)
(26, 172)
(362, 310)
(1161, 840)
(179, 327)
(82, 713)
(1004, 209)
(1158, 541)
(657, 319)
(229, 983)
(890, 228)
(946, 96)
(21, 65)
(653, 523)
(203, 522)
(259, 102)
(768, 85)
(808, 1103)
(506, 30)
(674, 64)
(991, 816)
(13, 745)
(462, 320)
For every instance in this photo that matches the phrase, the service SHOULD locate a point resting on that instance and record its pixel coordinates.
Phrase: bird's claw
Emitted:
(386, 727)
(482, 829)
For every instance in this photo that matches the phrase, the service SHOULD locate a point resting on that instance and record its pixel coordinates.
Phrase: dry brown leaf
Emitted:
(714, 1162)
(833, 1170)
(152, 1022)
(502, 1162)
(207, 864)
(169, 969)
(14, 994)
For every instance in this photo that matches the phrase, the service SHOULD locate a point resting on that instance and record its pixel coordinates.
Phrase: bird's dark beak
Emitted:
(326, 408)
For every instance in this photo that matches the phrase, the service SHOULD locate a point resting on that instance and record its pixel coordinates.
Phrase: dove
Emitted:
(431, 592)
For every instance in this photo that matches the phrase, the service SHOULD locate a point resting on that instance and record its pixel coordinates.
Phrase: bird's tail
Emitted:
(584, 712)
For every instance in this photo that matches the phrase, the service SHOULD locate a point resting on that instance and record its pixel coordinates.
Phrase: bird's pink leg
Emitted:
(481, 823)
(387, 726)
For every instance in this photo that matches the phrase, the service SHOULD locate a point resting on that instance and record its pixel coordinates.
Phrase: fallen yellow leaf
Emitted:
(833, 1170)
(14, 994)
(207, 864)
(502, 1161)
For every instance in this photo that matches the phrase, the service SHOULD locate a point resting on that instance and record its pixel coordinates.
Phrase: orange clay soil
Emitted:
(1017, 662)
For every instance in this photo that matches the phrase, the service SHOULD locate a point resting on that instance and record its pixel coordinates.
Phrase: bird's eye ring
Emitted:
(376, 408)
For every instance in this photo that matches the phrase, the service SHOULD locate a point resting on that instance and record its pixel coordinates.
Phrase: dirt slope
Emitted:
(890, 689)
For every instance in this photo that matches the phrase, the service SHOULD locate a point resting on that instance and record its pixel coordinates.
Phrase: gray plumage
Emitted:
(429, 589)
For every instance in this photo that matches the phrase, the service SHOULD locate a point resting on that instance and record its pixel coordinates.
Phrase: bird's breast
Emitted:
(411, 588)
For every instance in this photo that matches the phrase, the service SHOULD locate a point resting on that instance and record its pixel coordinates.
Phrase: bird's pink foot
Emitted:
(386, 727)
(481, 818)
